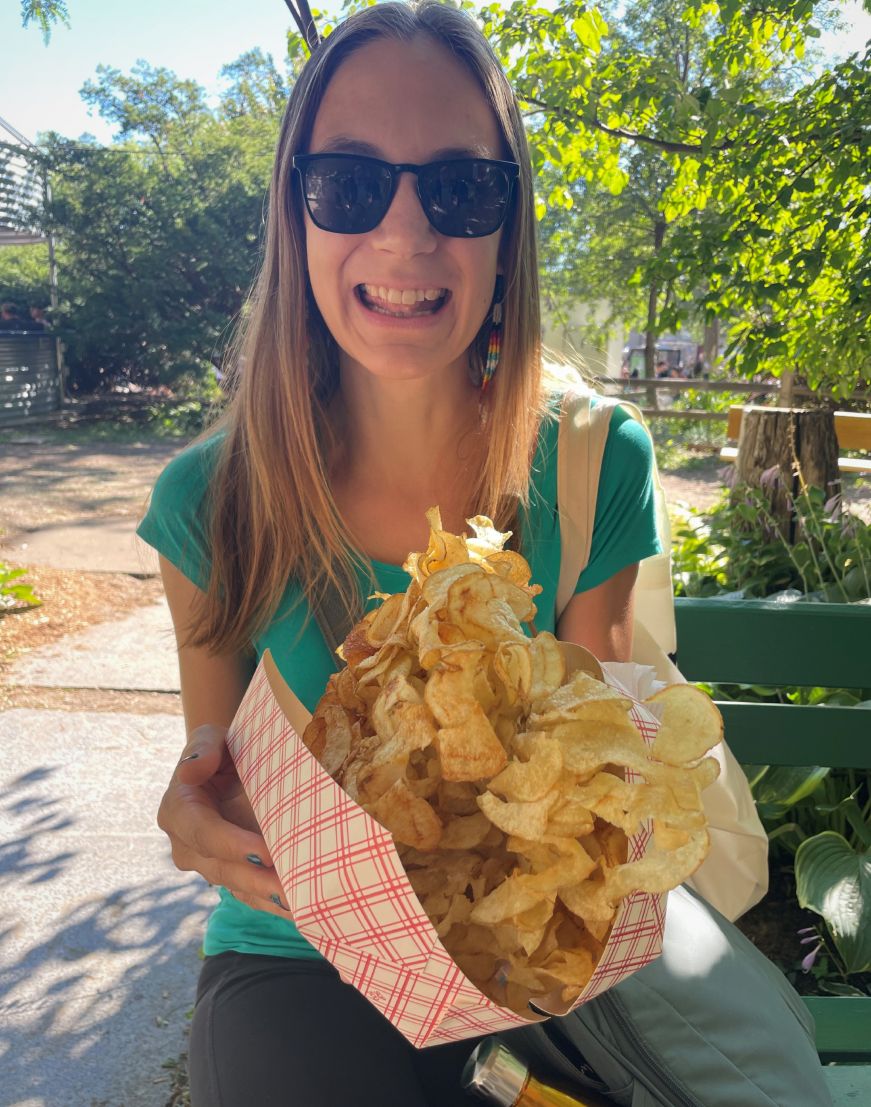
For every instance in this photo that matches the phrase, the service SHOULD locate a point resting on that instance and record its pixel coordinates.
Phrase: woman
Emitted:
(399, 277)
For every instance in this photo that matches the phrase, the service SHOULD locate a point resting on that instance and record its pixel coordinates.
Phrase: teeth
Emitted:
(403, 295)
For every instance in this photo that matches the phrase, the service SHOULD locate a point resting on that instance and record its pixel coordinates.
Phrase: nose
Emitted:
(405, 229)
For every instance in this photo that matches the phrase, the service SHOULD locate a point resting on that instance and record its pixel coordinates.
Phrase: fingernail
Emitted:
(253, 858)
(277, 901)
(190, 757)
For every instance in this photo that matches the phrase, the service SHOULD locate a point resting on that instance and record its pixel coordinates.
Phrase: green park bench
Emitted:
(807, 644)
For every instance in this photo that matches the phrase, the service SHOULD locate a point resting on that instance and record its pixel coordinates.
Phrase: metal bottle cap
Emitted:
(493, 1072)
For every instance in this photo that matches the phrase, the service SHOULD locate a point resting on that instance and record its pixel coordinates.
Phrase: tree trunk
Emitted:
(712, 344)
(652, 313)
(783, 451)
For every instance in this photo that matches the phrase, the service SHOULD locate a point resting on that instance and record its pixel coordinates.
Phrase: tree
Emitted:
(159, 233)
(726, 123)
(45, 13)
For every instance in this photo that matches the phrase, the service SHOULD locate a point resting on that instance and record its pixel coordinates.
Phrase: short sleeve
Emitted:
(624, 529)
(176, 523)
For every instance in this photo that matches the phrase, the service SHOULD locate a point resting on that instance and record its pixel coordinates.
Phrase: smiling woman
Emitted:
(390, 361)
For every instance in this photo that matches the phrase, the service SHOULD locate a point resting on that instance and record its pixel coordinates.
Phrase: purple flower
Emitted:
(808, 961)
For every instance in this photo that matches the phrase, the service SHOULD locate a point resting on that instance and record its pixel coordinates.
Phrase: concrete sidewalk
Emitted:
(99, 933)
(108, 545)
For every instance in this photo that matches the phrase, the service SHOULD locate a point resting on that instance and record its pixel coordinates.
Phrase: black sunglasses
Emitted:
(351, 193)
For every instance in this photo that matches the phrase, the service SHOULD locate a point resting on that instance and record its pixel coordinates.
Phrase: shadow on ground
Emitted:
(99, 934)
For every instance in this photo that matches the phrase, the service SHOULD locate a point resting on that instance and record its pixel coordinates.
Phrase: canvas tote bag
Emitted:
(734, 876)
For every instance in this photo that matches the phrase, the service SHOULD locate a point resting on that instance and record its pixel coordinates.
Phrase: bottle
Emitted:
(496, 1074)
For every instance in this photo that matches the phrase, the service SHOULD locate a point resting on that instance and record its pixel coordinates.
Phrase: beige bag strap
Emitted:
(583, 433)
(580, 447)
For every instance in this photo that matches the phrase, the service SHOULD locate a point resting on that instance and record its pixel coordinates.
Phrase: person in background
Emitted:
(37, 321)
(10, 320)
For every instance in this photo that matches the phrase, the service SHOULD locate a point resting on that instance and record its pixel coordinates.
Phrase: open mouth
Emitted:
(402, 303)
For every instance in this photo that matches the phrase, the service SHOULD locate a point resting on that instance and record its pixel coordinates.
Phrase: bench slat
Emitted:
(782, 734)
(843, 1025)
(845, 464)
(853, 429)
(849, 1085)
(763, 642)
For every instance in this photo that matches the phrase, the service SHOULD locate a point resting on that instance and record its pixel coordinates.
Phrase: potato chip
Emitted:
(588, 900)
(583, 697)
(532, 779)
(465, 832)
(690, 724)
(658, 872)
(470, 751)
(409, 819)
(526, 820)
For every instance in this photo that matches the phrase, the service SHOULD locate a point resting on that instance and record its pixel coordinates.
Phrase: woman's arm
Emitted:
(204, 811)
(601, 617)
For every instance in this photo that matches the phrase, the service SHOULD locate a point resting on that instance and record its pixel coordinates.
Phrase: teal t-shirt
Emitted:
(624, 532)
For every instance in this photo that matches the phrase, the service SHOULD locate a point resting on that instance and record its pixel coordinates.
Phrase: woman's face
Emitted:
(403, 102)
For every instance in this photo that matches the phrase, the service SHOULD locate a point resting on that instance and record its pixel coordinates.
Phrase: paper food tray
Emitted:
(348, 893)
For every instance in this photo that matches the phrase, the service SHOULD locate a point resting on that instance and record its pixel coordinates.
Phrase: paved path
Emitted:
(91, 545)
(99, 933)
(136, 653)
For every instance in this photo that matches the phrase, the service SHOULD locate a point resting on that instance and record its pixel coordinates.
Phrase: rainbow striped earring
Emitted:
(494, 346)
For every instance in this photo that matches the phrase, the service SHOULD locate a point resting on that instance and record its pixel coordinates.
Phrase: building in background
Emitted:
(570, 336)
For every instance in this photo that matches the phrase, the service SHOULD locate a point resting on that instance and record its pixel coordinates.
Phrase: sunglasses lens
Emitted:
(346, 195)
(465, 199)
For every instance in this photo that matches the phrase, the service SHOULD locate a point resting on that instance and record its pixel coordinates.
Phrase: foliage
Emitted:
(834, 880)
(680, 441)
(14, 594)
(737, 545)
(763, 210)
(784, 243)
(158, 235)
(44, 13)
(24, 275)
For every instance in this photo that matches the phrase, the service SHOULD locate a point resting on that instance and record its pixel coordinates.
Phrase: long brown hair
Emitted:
(271, 509)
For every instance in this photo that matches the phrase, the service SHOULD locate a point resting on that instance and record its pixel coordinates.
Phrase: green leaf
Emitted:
(835, 881)
(785, 785)
(836, 988)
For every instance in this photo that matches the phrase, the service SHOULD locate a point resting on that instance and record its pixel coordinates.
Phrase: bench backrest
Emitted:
(808, 644)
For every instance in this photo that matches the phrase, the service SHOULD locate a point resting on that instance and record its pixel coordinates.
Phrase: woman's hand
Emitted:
(211, 825)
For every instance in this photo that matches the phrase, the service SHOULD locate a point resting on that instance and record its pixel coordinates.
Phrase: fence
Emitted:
(640, 390)
(30, 383)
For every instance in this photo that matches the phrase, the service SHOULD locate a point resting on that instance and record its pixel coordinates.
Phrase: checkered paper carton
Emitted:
(348, 893)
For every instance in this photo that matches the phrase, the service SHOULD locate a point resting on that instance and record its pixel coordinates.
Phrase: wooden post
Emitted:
(783, 451)
(787, 388)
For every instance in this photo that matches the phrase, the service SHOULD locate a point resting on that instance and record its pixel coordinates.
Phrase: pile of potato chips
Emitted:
(501, 776)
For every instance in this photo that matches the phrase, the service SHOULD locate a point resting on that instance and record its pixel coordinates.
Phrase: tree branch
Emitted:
(618, 132)
(303, 18)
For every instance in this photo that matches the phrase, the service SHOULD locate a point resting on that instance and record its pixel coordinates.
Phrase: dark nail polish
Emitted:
(253, 858)
(190, 757)
(277, 901)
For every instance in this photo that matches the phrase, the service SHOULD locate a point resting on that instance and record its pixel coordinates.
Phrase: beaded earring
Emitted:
(494, 346)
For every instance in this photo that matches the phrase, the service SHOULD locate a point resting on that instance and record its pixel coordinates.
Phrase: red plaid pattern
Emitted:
(349, 896)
